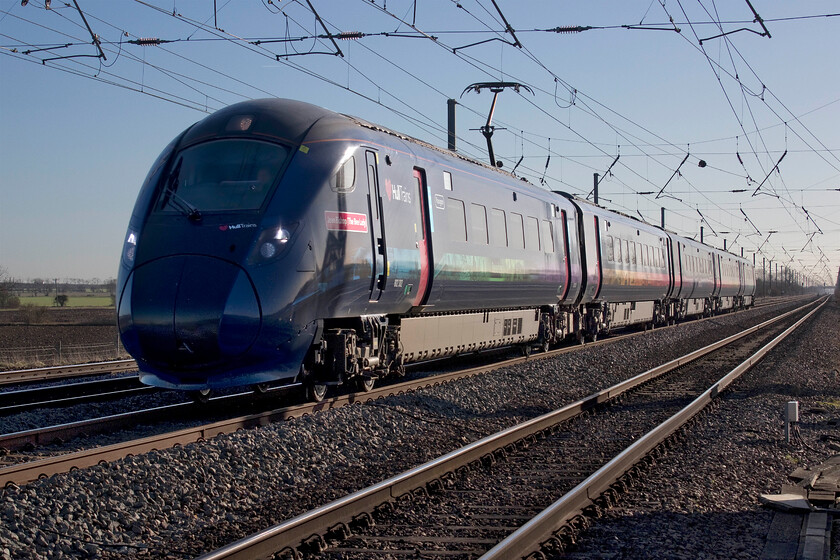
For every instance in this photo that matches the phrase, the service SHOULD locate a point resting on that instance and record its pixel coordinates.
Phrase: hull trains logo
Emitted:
(346, 221)
(236, 226)
(397, 192)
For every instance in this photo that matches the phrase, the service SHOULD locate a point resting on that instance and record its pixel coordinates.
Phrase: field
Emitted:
(58, 335)
(72, 301)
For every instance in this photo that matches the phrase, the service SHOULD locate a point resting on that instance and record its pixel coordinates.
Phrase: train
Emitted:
(276, 242)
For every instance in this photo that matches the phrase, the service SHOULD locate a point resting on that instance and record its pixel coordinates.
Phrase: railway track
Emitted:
(19, 376)
(21, 469)
(57, 394)
(528, 489)
(13, 402)
(54, 373)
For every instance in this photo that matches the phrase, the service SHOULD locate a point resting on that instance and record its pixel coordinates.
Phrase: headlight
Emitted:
(130, 247)
(272, 243)
(268, 250)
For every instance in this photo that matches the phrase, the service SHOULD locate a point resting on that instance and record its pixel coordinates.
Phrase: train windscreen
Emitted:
(222, 176)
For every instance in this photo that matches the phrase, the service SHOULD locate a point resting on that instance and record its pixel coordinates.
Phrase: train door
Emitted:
(671, 263)
(564, 239)
(716, 273)
(379, 262)
(424, 239)
(597, 255)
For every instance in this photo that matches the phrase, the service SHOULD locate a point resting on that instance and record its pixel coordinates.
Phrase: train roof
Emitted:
(580, 201)
(284, 120)
(265, 117)
(427, 145)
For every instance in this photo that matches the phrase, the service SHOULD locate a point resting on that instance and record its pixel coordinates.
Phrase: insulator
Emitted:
(350, 35)
(147, 41)
(570, 29)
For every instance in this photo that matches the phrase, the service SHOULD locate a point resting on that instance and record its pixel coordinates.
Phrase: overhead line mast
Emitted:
(488, 129)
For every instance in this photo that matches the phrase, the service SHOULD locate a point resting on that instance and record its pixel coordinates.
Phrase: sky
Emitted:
(725, 117)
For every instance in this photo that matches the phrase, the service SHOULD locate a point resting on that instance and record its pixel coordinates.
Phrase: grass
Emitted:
(72, 301)
(834, 403)
(795, 460)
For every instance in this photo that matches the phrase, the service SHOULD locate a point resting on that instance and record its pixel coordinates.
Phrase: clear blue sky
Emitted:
(77, 135)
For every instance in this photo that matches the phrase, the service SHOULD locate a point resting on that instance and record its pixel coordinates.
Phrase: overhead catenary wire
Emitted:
(624, 174)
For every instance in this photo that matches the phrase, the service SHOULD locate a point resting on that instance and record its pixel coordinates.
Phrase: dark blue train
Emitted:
(278, 241)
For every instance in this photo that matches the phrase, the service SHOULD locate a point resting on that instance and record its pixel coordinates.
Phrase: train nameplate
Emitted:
(346, 221)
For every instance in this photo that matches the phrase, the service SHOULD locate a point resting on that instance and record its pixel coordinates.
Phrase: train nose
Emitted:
(192, 310)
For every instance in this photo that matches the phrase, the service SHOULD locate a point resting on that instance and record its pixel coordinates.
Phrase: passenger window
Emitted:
(344, 179)
(456, 219)
(633, 252)
(610, 249)
(517, 231)
(498, 228)
(547, 236)
(478, 224)
(626, 251)
(532, 234)
(617, 249)
(447, 180)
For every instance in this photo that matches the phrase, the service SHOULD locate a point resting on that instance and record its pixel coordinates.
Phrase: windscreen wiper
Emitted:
(190, 211)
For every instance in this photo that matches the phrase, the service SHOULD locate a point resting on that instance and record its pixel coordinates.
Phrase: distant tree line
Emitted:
(12, 290)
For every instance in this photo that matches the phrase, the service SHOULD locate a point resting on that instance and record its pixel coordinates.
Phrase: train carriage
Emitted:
(696, 285)
(731, 281)
(627, 277)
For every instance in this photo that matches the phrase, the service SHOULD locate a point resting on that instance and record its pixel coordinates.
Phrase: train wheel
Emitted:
(364, 384)
(546, 346)
(316, 392)
(202, 396)
(526, 350)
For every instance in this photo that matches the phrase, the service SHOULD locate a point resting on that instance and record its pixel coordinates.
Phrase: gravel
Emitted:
(701, 500)
(179, 502)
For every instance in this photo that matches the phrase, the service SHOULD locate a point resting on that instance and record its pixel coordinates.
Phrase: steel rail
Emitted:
(117, 366)
(294, 532)
(541, 528)
(63, 432)
(23, 473)
(77, 400)
(62, 372)
(71, 393)
(19, 376)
